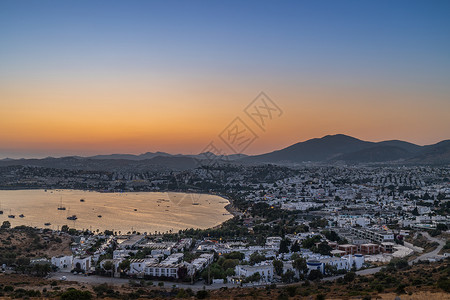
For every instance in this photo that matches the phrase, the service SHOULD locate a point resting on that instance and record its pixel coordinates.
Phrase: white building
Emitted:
(201, 262)
(346, 262)
(62, 262)
(82, 262)
(265, 270)
(273, 242)
(162, 270)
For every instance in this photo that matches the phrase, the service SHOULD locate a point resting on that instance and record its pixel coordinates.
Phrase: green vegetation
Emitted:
(73, 294)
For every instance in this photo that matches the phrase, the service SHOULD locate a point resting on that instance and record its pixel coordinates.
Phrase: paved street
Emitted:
(432, 253)
(95, 279)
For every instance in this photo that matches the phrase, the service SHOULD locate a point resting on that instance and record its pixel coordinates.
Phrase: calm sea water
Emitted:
(140, 211)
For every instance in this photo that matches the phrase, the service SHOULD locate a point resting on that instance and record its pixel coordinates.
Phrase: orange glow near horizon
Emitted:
(85, 121)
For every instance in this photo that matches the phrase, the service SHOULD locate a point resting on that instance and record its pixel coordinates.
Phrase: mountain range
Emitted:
(344, 148)
(330, 149)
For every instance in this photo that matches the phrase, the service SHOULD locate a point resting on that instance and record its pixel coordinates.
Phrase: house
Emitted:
(63, 261)
(273, 242)
(376, 236)
(387, 247)
(348, 248)
(346, 262)
(201, 262)
(163, 270)
(137, 266)
(82, 262)
(265, 270)
(370, 249)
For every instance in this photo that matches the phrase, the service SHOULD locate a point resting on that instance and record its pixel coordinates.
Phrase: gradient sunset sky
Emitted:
(92, 77)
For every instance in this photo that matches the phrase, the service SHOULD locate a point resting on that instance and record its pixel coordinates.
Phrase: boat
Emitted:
(99, 216)
(72, 217)
(1, 212)
(81, 200)
(47, 224)
(135, 209)
(21, 215)
(11, 216)
(195, 203)
(61, 207)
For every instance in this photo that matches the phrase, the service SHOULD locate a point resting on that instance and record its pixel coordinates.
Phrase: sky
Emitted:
(97, 77)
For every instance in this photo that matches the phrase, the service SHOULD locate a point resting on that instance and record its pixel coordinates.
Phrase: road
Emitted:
(431, 254)
(95, 279)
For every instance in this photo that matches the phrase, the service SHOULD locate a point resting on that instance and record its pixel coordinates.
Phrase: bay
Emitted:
(124, 212)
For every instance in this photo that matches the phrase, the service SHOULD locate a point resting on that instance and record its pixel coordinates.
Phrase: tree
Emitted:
(202, 294)
(182, 272)
(255, 277)
(109, 232)
(278, 266)
(230, 272)
(72, 231)
(349, 277)
(300, 265)
(255, 258)
(6, 225)
(214, 271)
(294, 256)
(229, 263)
(310, 242)
(124, 265)
(323, 248)
(318, 222)
(41, 269)
(315, 274)
(284, 246)
(331, 235)
(288, 276)
(108, 265)
(65, 228)
(441, 227)
(330, 269)
(295, 247)
(22, 263)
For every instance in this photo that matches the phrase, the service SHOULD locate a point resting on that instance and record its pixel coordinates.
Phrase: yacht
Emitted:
(72, 217)
(61, 207)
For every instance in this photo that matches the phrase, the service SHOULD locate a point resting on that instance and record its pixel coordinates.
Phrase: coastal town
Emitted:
(289, 225)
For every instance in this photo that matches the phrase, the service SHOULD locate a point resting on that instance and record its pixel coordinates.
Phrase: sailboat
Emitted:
(72, 217)
(61, 207)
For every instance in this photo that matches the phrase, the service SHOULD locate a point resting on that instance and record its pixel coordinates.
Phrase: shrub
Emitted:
(73, 294)
(202, 294)
(349, 277)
